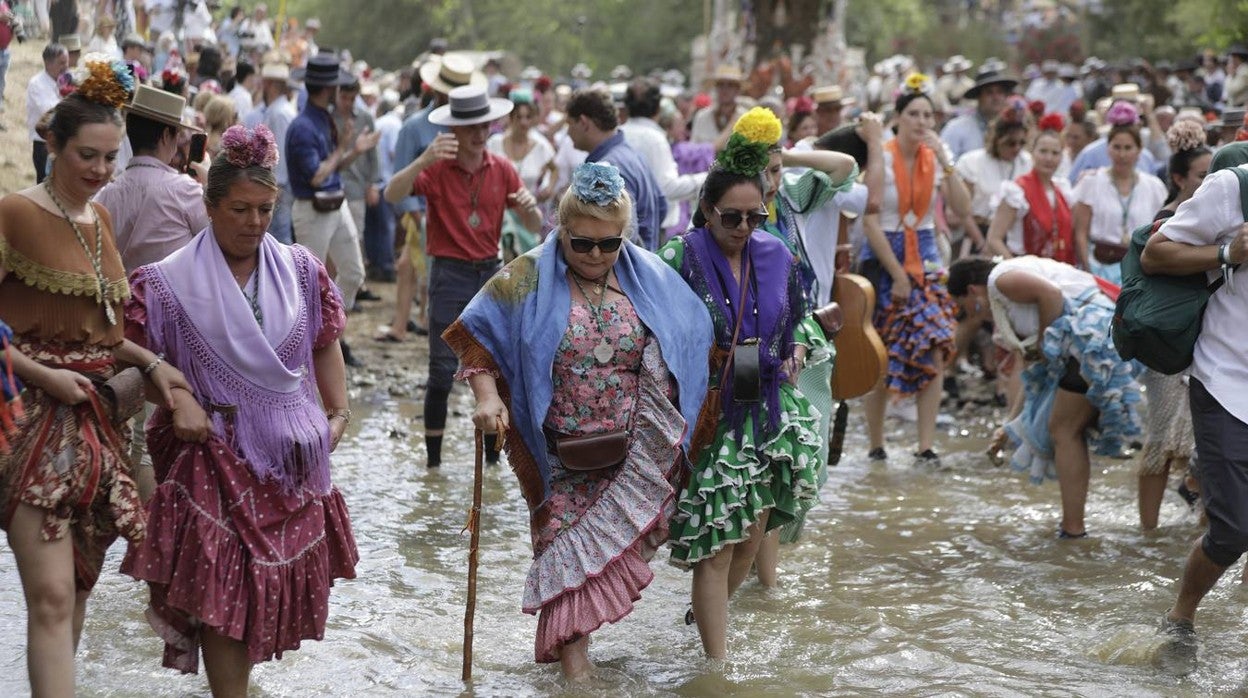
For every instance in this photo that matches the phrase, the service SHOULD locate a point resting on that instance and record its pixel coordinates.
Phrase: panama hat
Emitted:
(157, 105)
(956, 64)
(275, 71)
(71, 42)
(323, 71)
(470, 105)
(450, 72)
(727, 72)
(1125, 91)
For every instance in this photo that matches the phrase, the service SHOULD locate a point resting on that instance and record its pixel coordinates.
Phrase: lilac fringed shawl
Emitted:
(198, 317)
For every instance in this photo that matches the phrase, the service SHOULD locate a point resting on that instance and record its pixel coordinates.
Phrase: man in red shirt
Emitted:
(466, 190)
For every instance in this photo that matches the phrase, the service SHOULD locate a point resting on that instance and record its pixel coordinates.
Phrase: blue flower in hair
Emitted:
(123, 74)
(597, 183)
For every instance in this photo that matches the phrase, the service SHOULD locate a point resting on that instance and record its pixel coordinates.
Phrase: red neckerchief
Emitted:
(1047, 229)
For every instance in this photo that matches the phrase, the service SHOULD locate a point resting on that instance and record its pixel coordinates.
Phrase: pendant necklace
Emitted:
(474, 219)
(97, 260)
(253, 298)
(604, 351)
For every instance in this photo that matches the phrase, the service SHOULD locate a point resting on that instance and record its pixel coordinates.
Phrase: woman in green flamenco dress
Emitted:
(757, 470)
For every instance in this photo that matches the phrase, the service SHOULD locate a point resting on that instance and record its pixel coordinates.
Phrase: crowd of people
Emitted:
(631, 276)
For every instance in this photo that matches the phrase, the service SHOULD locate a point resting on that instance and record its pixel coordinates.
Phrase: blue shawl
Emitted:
(521, 315)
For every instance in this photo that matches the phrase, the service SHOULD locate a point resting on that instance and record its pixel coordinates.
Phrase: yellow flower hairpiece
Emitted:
(918, 82)
(759, 125)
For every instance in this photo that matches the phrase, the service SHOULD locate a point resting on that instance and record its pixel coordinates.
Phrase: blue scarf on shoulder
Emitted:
(521, 315)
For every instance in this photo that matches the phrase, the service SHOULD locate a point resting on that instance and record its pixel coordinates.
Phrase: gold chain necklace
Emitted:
(97, 261)
(603, 352)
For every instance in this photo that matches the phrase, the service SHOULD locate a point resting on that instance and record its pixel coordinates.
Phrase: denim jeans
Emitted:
(379, 237)
(4, 71)
(280, 226)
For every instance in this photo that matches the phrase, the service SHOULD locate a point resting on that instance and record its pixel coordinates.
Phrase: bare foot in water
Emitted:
(574, 660)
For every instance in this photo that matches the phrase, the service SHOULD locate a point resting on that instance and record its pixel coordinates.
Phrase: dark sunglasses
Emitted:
(732, 219)
(587, 245)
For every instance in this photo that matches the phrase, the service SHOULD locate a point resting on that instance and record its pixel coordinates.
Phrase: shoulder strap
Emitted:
(736, 329)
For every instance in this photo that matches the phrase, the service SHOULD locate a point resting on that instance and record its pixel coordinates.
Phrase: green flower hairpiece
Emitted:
(743, 156)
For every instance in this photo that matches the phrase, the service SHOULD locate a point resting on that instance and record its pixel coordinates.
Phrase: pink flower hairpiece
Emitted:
(1122, 114)
(244, 147)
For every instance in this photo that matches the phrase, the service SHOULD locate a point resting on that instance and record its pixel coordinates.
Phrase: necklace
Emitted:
(1125, 203)
(97, 260)
(253, 298)
(604, 351)
(473, 218)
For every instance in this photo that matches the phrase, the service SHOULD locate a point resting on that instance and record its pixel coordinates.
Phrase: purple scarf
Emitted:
(776, 293)
(198, 315)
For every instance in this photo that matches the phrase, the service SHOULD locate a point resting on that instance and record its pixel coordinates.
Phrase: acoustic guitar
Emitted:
(861, 358)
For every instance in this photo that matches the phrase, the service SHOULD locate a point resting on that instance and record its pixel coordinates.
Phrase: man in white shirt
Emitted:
(712, 121)
(642, 99)
(42, 93)
(245, 80)
(1206, 234)
(256, 33)
(276, 112)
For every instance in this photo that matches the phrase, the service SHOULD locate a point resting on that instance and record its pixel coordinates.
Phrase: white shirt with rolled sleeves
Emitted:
(1213, 216)
(648, 139)
(42, 93)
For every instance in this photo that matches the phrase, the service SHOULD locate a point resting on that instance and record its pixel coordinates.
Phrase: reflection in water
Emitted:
(906, 583)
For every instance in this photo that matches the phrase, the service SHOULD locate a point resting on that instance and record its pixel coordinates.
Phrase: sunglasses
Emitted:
(732, 219)
(587, 245)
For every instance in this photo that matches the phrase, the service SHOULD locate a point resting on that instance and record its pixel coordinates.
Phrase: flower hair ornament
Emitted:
(917, 84)
(243, 147)
(1122, 114)
(104, 80)
(1051, 122)
(172, 79)
(597, 183)
(1185, 134)
(749, 146)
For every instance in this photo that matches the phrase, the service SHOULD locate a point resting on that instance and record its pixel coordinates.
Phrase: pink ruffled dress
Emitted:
(228, 550)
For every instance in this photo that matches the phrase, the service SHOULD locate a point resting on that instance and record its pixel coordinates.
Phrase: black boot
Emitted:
(348, 357)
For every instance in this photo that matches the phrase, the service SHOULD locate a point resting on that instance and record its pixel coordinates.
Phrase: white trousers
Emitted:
(332, 236)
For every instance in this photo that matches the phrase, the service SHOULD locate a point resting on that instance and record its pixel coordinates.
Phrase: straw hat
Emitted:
(450, 72)
(157, 105)
(71, 42)
(727, 72)
(831, 94)
(956, 64)
(470, 105)
(1125, 91)
(275, 71)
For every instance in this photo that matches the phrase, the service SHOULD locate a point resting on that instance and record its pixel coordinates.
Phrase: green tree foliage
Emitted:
(553, 34)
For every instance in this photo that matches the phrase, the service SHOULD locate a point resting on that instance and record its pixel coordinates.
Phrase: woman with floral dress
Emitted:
(758, 470)
(592, 355)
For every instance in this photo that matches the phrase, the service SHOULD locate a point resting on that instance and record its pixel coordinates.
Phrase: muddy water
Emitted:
(906, 583)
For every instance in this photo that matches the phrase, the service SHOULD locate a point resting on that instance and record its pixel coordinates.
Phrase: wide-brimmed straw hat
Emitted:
(956, 64)
(470, 105)
(451, 71)
(323, 70)
(71, 42)
(1125, 91)
(275, 71)
(991, 77)
(156, 104)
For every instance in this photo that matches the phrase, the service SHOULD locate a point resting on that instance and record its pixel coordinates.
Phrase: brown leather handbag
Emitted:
(590, 451)
(830, 318)
(122, 395)
(328, 201)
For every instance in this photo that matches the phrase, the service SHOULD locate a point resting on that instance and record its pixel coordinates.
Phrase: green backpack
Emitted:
(1157, 317)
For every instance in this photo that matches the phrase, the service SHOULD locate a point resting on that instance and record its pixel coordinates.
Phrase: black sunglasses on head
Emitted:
(732, 219)
(587, 245)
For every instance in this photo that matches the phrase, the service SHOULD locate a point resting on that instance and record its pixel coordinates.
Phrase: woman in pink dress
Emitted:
(246, 532)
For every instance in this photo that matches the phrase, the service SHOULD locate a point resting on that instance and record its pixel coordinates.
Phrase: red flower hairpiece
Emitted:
(1036, 107)
(1051, 122)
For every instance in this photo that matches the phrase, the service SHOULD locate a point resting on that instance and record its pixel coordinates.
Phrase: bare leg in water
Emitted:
(226, 663)
(1072, 413)
(574, 659)
(712, 586)
(54, 608)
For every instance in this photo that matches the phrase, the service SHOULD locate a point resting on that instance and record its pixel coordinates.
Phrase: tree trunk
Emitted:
(782, 25)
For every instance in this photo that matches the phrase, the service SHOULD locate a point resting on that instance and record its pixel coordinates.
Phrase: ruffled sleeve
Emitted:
(673, 253)
(1011, 195)
(809, 334)
(135, 312)
(812, 189)
(333, 316)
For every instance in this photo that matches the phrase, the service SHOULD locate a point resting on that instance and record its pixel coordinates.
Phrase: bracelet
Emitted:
(147, 370)
(343, 412)
(948, 169)
(1224, 254)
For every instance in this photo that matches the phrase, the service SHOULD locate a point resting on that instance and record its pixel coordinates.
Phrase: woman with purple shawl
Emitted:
(246, 533)
(588, 336)
(759, 470)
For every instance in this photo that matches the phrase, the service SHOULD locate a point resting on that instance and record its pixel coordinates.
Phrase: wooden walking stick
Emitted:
(474, 529)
